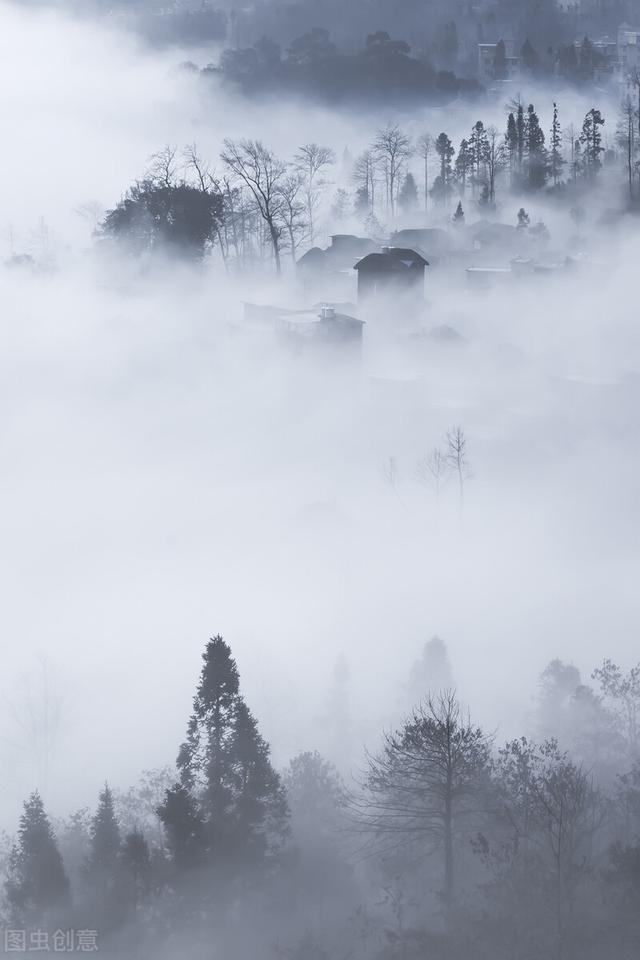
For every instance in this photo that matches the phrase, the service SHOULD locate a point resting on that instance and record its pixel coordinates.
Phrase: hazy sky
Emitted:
(161, 481)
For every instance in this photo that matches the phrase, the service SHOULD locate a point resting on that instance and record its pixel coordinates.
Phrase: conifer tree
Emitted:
(104, 845)
(591, 141)
(445, 151)
(463, 165)
(536, 153)
(37, 886)
(229, 804)
(511, 140)
(136, 865)
(556, 160)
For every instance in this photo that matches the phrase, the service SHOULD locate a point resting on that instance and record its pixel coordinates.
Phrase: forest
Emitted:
(444, 842)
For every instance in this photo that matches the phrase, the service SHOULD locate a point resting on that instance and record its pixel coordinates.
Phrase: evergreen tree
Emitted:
(556, 158)
(536, 153)
(104, 840)
(458, 217)
(520, 136)
(479, 147)
(408, 196)
(445, 151)
(229, 804)
(511, 141)
(591, 141)
(102, 867)
(37, 884)
(184, 827)
(136, 867)
(463, 165)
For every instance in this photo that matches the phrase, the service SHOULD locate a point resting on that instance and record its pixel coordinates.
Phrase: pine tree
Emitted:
(591, 140)
(102, 867)
(136, 866)
(536, 153)
(479, 147)
(37, 884)
(463, 165)
(458, 217)
(228, 805)
(104, 846)
(520, 135)
(445, 151)
(557, 160)
(184, 827)
(511, 140)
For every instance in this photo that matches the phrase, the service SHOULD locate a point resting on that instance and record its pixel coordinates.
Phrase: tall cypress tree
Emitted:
(104, 846)
(37, 886)
(511, 139)
(228, 805)
(536, 152)
(102, 867)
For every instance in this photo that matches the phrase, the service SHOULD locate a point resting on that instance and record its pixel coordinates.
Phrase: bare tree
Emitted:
(263, 173)
(495, 157)
(433, 470)
(394, 149)
(423, 788)
(457, 457)
(163, 166)
(424, 148)
(310, 160)
(207, 183)
(293, 211)
(365, 177)
(35, 708)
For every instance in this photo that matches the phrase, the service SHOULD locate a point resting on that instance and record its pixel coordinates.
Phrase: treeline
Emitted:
(446, 843)
(382, 71)
(261, 205)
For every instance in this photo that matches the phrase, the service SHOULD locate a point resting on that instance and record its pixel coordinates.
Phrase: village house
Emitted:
(396, 270)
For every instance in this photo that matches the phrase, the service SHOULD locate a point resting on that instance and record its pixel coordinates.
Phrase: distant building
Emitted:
(325, 327)
(340, 255)
(628, 50)
(325, 323)
(486, 64)
(395, 270)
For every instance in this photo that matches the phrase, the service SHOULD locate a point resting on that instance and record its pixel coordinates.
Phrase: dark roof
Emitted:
(393, 260)
(313, 257)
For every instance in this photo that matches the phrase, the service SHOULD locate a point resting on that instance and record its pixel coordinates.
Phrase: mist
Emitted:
(168, 475)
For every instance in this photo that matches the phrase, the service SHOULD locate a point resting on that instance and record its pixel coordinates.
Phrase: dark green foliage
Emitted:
(177, 219)
(37, 885)
(229, 805)
(591, 141)
(382, 70)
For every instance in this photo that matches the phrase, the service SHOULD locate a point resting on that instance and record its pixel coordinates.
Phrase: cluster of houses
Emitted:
(618, 58)
(393, 274)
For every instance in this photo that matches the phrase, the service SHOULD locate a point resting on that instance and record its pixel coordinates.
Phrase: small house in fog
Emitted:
(339, 255)
(324, 326)
(396, 271)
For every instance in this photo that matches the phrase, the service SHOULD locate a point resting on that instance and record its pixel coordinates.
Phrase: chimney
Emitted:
(386, 250)
(327, 313)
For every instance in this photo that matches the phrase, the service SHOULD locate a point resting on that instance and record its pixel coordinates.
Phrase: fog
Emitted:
(164, 479)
